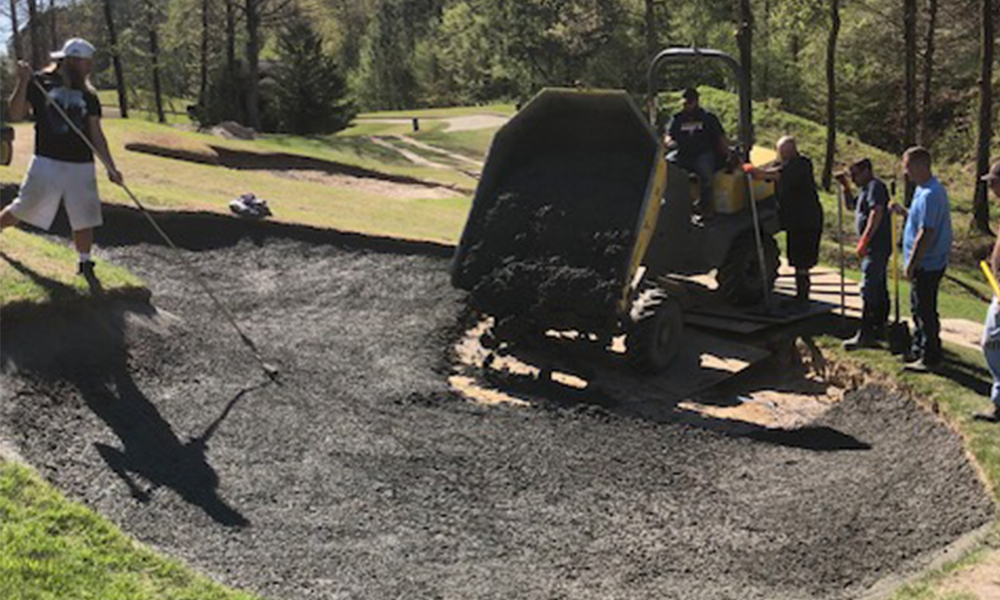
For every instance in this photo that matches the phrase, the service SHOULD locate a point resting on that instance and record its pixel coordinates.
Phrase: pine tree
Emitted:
(311, 90)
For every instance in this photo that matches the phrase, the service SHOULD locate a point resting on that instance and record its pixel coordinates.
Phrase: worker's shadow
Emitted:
(976, 379)
(87, 350)
(151, 450)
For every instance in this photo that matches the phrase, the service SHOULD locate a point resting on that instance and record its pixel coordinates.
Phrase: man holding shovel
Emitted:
(874, 249)
(926, 247)
(62, 169)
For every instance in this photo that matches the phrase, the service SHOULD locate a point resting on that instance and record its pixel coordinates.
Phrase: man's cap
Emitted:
(864, 164)
(690, 94)
(993, 173)
(76, 48)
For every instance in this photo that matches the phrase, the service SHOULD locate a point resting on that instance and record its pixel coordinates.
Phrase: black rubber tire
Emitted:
(656, 324)
(739, 276)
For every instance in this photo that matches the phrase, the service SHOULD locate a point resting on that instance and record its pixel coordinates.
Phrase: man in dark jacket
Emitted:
(799, 212)
(874, 248)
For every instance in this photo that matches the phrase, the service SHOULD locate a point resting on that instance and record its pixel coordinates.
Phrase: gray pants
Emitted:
(991, 348)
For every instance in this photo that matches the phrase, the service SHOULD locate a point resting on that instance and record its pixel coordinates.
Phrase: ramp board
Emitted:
(704, 307)
(583, 373)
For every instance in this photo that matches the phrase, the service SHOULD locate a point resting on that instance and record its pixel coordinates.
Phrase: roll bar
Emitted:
(691, 54)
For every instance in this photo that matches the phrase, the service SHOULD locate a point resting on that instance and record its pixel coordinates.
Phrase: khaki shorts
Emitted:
(50, 182)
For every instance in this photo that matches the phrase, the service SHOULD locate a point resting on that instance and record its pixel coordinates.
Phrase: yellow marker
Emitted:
(990, 277)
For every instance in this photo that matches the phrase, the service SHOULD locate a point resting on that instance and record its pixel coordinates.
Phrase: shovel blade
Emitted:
(899, 338)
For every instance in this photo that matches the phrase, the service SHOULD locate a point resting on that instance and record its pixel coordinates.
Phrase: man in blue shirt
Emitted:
(926, 245)
(874, 249)
(700, 142)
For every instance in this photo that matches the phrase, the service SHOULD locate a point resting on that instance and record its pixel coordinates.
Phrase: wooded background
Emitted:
(893, 73)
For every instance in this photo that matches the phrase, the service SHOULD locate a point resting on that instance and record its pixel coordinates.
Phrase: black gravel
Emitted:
(361, 477)
(556, 238)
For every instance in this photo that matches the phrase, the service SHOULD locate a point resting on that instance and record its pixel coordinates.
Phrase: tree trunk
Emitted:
(16, 35)
(253, 67)
(744, 39)
(116, 59)
(831, 94)
(154, 53)
(35, 31)
(925, 105)
(231, 39)
(910, 82)
(53, 35)
(203, 79)
(981, 204)
(765, 78)
(651, 44)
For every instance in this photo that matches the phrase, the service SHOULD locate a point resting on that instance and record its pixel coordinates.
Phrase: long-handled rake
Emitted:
(270, 370)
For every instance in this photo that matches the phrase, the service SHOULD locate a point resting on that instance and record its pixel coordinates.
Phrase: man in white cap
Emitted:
(62, 169)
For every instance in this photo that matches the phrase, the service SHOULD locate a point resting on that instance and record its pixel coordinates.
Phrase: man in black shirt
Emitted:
(874, 248)
(799, 212)
(62, 169)
(700, 142)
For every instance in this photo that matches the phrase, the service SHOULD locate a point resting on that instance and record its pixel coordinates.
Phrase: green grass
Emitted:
(164, 183)
(36, 271)
(473, 144)
(958, 391)
(54, 549)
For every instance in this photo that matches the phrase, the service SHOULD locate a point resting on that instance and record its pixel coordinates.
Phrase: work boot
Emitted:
(990, 416)
(860, 340)
(86, 269)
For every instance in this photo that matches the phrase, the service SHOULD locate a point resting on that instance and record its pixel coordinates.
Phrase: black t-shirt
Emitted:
(53, 137)
(799, 207)
(695, 132)
(872, 195)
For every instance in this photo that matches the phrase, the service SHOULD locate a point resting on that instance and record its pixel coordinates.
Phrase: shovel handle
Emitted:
(990, 277)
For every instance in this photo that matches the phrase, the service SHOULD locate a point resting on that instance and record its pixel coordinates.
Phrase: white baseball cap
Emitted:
(75, 47)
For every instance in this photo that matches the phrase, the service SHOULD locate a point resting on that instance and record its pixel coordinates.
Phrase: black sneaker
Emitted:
(86, 269)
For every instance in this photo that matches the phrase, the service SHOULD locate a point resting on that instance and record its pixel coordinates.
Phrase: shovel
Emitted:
(899, 332)
(840, 244)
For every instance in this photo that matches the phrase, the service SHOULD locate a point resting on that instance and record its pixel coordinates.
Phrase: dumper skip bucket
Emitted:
(578, 140)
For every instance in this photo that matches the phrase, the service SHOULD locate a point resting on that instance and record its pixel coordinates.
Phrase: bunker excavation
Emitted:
(364, 475)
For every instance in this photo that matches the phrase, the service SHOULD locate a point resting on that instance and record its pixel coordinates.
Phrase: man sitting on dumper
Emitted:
(699, 142)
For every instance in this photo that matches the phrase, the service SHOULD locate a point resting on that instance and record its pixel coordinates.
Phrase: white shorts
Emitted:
(50, 182)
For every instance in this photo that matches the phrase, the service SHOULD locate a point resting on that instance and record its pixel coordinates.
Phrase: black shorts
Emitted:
(803, 247)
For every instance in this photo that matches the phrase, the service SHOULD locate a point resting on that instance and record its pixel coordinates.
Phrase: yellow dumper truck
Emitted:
(578, 217)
